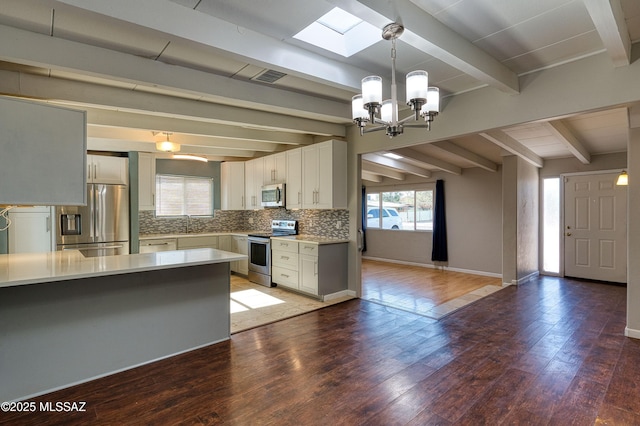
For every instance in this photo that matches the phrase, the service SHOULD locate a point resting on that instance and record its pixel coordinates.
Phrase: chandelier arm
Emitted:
(419, 126)
(380, 122)
(407, 118)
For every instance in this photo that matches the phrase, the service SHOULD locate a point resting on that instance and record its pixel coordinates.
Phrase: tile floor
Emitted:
(253, 305)
(439, 311)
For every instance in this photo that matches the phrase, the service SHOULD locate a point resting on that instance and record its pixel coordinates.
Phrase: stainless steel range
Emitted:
(260, 250)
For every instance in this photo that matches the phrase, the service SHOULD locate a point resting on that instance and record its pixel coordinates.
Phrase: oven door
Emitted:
(260, 255)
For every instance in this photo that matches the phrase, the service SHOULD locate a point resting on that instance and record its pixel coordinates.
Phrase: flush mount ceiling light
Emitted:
(167, 145)
(422, 99)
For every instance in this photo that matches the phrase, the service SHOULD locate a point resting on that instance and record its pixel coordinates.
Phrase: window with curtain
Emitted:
(400, 210)
(184, 195)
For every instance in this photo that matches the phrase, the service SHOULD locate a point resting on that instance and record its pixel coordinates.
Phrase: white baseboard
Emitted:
(630, 332)
(532, 276)
(431, 266)
(339, 294)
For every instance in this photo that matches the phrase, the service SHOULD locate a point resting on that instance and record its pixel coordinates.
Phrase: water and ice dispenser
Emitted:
(71, 224)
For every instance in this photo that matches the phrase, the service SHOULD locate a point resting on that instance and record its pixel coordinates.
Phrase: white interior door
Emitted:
(595, 228)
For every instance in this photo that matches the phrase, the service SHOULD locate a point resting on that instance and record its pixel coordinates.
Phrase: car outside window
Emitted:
(400, 210)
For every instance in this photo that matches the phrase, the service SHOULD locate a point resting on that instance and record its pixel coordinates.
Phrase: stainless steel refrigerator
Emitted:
(101, 228)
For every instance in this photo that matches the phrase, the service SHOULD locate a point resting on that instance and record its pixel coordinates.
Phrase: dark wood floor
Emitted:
(551, 352)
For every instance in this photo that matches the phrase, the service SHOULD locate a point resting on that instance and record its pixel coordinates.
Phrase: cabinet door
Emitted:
(241, 246)
(275, 168)
(110, 170)
(253, 183)
(309, 274)
(310, 173)
(146, 181)
(30, 232)
(294, 179)
(324, 185)
(233, 186)
(225, 242)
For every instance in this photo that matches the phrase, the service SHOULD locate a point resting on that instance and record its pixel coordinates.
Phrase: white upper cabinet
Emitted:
(146, 181)
(106, 169)
(232, 185)
(324, 175)
(294, 179)
(275, 168)
(253, 181)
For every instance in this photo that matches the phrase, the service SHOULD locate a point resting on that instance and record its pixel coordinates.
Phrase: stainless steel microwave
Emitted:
(273, 195)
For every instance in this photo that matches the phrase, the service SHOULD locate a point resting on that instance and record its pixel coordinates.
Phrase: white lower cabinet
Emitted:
(30, 230)
(284, 263)
(309, 274)
(207, 241)
(240, 245)
(312, 268)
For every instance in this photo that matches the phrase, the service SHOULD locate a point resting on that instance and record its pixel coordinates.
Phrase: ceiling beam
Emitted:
(429, 35)
(608, 17)
(256, 48)
(75, 93)
(395, 164)
(29, 48)
(412, 154)
(371, 177)
(467, 155)
(101, 144)
(508, 143)
(382, 170)
(140, 135)
(259, 140)
(564, 135)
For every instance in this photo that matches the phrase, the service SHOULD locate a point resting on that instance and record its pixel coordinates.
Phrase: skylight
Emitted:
(340, 32)
(339, 20)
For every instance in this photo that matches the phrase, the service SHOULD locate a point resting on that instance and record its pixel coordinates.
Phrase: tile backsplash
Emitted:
(323, 223)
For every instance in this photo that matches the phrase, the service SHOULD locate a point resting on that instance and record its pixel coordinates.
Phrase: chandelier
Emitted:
(369, 107)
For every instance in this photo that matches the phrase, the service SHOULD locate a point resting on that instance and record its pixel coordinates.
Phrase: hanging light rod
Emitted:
(422, 99)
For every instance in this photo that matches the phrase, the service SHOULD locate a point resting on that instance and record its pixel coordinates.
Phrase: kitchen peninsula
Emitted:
(67, 319)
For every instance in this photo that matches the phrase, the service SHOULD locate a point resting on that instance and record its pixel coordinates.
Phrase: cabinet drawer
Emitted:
(194, 242)
(281, 245)
(309, 249)
(285, 277)
(284, 259)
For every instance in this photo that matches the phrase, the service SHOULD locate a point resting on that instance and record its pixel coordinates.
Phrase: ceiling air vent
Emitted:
(269, 76)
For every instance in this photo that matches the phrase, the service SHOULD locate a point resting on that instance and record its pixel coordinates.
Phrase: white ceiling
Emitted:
(186, 66)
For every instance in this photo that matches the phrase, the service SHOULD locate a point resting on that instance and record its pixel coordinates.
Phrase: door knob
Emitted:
(568, 234)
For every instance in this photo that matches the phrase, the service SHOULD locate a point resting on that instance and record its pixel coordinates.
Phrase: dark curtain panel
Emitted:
(364, 218)
(439, 253)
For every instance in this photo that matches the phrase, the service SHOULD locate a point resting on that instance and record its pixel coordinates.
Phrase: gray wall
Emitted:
(474, 224)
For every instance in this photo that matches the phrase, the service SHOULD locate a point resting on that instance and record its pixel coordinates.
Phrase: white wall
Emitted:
(474, 224)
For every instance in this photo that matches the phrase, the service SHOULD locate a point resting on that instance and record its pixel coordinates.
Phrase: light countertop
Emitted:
(194, 234)
(33, 268)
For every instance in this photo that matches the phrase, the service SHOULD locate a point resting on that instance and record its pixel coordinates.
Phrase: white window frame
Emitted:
(185, 195)
(380, 190)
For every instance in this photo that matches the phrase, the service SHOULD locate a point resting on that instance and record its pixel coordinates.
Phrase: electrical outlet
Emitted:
(338, 224)
(251, 221)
